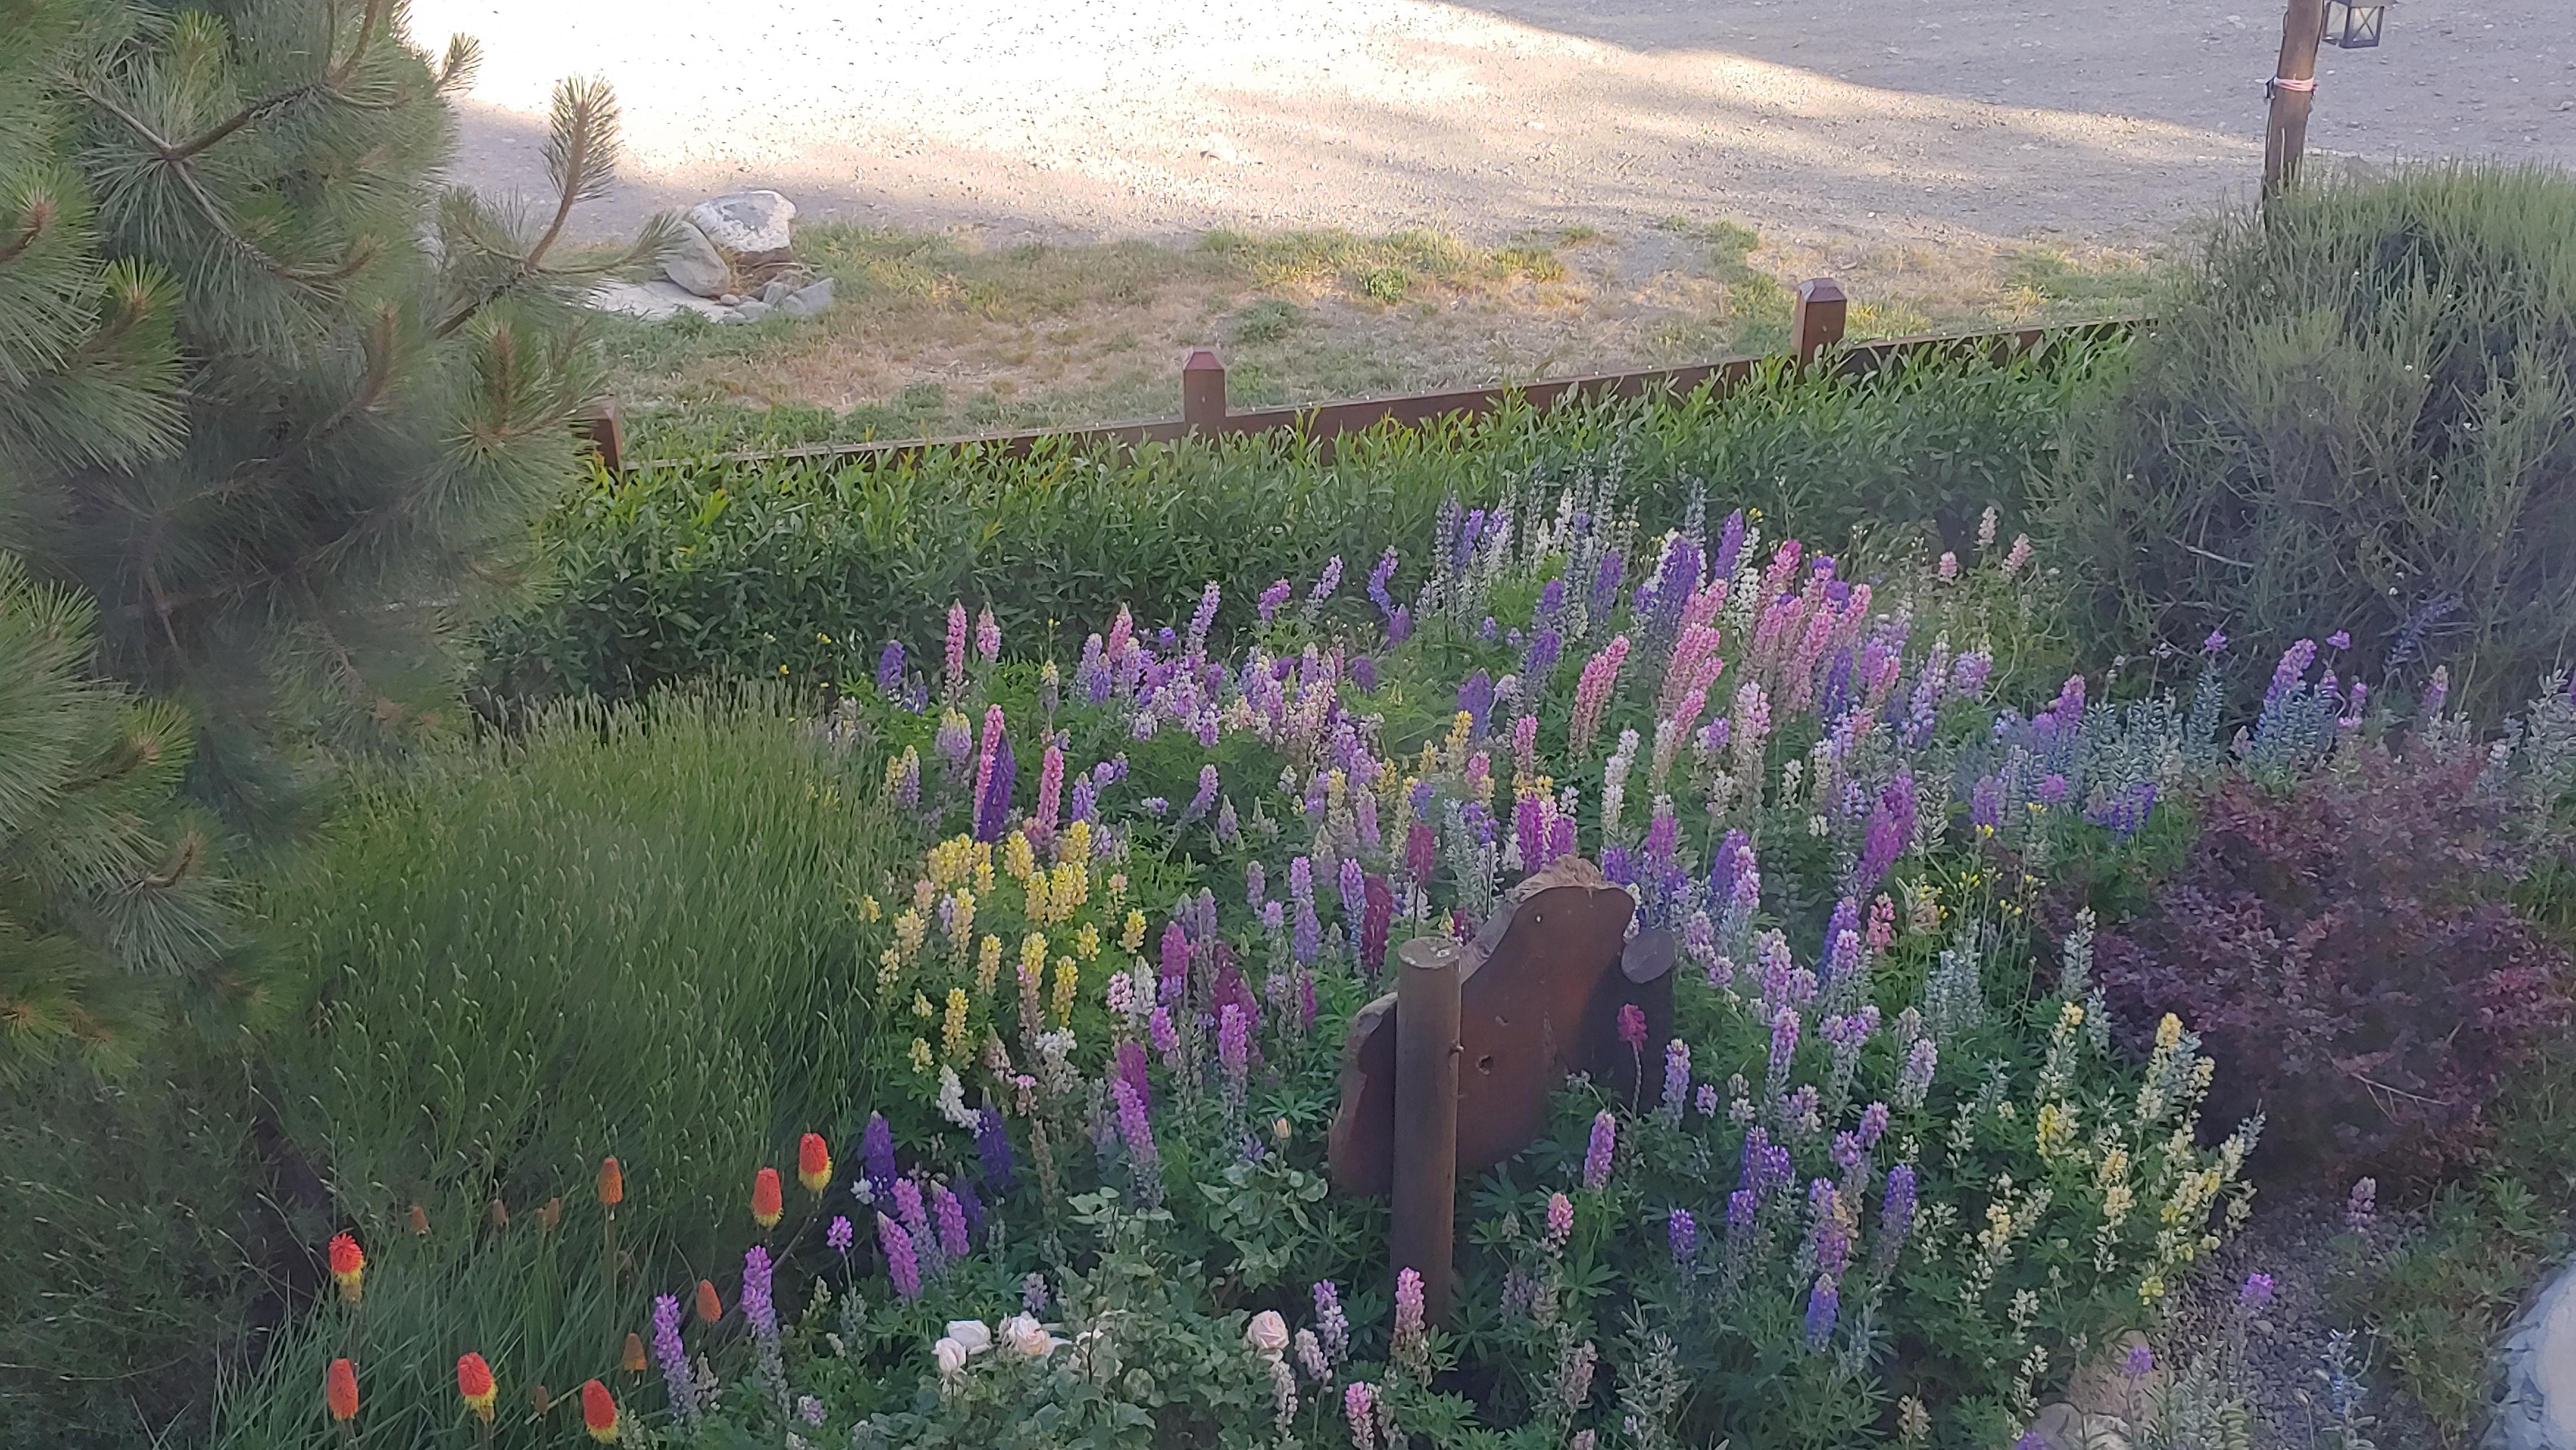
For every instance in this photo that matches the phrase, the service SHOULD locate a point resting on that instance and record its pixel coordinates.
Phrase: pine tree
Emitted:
(276, 397)
(106, 904)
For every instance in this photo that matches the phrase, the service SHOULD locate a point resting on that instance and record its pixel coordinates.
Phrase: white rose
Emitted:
(1267, 1334)
(971, 1334)
(951, 1356)
(1028, 1338)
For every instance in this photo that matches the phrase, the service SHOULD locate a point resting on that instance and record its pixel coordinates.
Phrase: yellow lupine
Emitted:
(988, 966)
(909, 929)
(2169, 1032)
(1040, 902)
(2055, 1129)
(961, 920)
(1068, 980)
(1117, 887)
(1074, 843)
(952, 1026)
(869, 910)
(920, 1055)
(921, 1006)
(1132, 936)
(1033, 955)
(1086, 941)
(1072, 888)
(984, 877)
(1018, 857)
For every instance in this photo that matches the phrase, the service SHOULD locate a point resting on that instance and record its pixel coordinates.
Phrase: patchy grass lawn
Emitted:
(938, 334)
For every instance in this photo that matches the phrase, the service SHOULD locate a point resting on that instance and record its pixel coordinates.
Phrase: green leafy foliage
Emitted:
(2360, 415)
(801, 570)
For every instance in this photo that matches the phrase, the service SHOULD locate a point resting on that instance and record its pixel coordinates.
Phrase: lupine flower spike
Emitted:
(348, 1266)
(813, 1163)
(767, 1207)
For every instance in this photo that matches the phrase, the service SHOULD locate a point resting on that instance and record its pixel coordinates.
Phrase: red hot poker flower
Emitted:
(348, 1266)
(598, 1412)
(340, 1390)
(813, 1163)
(766, 1205)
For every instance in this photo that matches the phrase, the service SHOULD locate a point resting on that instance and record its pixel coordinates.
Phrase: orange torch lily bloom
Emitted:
(474, 1385)
(813, 1163)
(766, 1206)
(710, 1308)
(598, 1412)
(612, 1182)
(348, 1266)
(633, 1362)
(340, 1390)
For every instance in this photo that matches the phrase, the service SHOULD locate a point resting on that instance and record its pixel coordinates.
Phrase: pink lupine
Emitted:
(1592, 692)
(956, 649)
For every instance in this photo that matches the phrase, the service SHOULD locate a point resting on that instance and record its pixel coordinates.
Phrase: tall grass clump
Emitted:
(2360, 415)
(801, 569)
(633, 926)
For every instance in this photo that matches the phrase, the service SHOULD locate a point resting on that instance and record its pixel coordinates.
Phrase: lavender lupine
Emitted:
(1268, 605)
(840, 1236)
(1784, 1047)
(1560, 1220)
(1681, 1235)
(1677, 1079)
(890, 669)
(1707, 1100)
(1824, 1302)
(673, 1360)
(1330, 1322)
(1914, 1081)
(760, 1312)
(1310, 1356)
(1597, 1154)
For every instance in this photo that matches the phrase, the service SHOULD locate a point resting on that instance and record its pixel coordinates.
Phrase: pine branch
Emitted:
(581, 159)
(328, 85)
(464, 58)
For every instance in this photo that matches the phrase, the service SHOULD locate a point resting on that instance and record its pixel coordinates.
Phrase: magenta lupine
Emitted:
(1050, 789)
(673, 1359)
(956, 659)
(1410, 1346)
(903, 1265)
(1377, 919)
(1597, 1154)
(1233, 1045)
(949, 1216)
(988, 750)
(1560, 1220)
(1681, 1235)
(1824, 1302)
(1632, 1026)
(988, 636)
(1159, 1029)
(1359, 1406)
(1421, 852)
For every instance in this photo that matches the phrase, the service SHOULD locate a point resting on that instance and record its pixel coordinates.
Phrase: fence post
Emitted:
(1203, 393)
(604, 434)
(1816, 323)
(1427, 997)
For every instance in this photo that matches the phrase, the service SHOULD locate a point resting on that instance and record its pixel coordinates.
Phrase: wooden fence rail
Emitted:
(1816, 339)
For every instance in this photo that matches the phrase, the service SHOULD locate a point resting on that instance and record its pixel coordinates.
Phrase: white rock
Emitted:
(812, 301)
(2538, 1411)
(656, 301)
(751, 228)
(693, 262)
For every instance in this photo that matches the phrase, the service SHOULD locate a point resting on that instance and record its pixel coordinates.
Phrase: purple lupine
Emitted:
(1596, 1155)
(993, 806)
(890, 669)
(993, 1146)
(1267, 606)
(1823, 1303)
(1330, 1322)
(1256, 884)
(956, 648)
(2141, 1362)
(1681, 1235)
(988, 636)
(1166, 1037)
(903, 1266)
(1896, 1213)
(1408, 1346)
(840, 1236)
(1891, 831)
(1377, 582)
(2256, 1295)
(673, 1359)
(1914, 1082)
(1364, 672)
(1136, 1129)
(1873, 1124)
(1784, 1045)
(1233, 1044)
(950, 1216)
(914, 1214)
(1325, 583)
(1707, 1103)
(876, 1151)
(759, 1308)
(1847, 1152)
(1359, 1406)
(1743, 1207)
(1306, 939)
(1353, 880)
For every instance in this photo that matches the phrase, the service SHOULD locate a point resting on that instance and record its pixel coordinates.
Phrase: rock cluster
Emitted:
(733, 259)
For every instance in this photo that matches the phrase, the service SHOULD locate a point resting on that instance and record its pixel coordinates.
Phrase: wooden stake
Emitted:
(1203, 393)
(1816, 321)
(2293, 90)
(1426, 1117)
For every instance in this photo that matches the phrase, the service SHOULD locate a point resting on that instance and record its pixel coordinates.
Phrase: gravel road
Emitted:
(1827, 122)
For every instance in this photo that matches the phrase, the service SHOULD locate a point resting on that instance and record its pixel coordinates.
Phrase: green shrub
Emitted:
(2361, 415)
(802, 569)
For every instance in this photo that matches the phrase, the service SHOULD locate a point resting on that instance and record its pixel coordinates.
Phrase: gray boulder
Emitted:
(811, 301)
(2538, 1409)
(753, 309)
(777, 290)
(693, 262)
(750, 228)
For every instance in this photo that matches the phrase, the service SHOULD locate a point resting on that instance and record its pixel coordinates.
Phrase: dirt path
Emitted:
(1820, 122)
